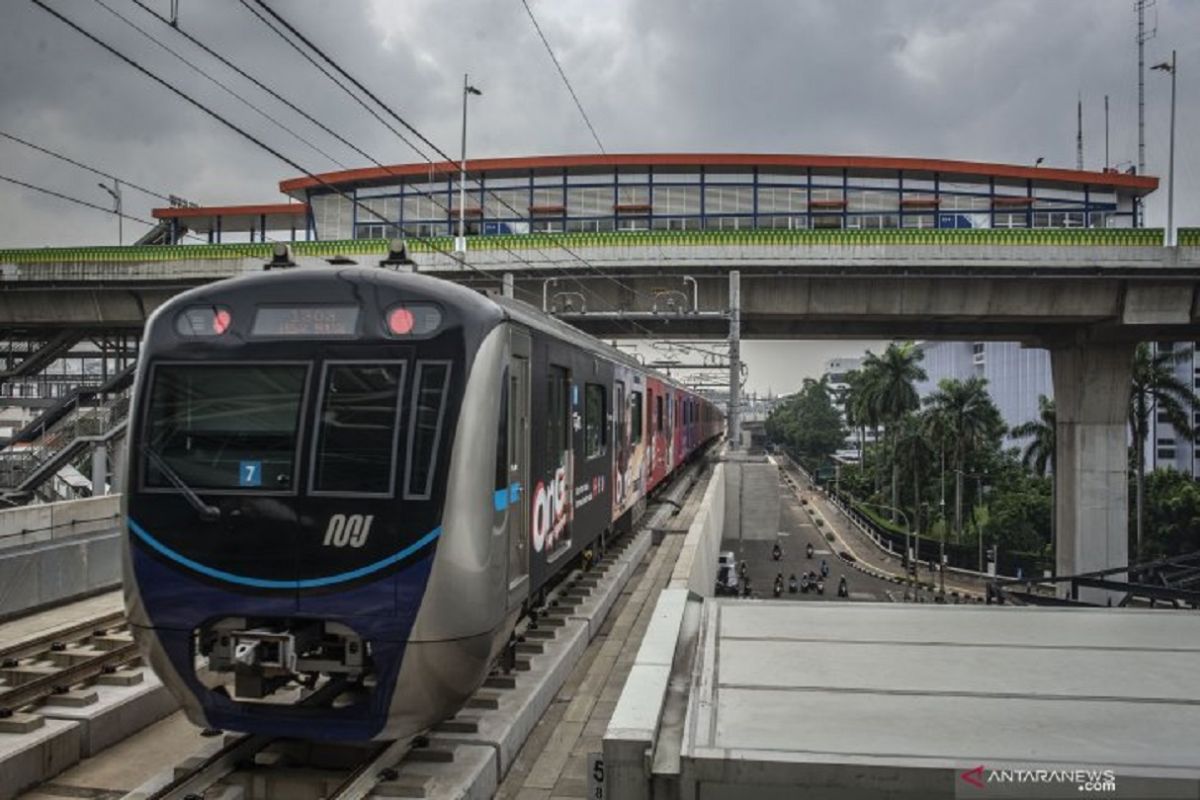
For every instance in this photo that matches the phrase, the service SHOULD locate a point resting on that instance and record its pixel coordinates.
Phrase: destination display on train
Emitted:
(306, 321)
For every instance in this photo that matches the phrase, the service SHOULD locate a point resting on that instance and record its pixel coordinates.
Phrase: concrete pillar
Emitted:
(508, 285)
(735, 359)
(1091, 393)
(99, 470)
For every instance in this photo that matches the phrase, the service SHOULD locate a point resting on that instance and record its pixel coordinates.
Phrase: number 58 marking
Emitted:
(348, 529)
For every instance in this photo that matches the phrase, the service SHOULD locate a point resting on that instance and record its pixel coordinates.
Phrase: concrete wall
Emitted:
(633, 729)
(696, 569)
(752, 498)
(58, 551)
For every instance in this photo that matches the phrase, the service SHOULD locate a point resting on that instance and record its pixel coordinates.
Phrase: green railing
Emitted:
(1036, 237)
(1187, 237)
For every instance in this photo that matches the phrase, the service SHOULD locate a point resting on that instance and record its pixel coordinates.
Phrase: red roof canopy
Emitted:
(872, 165)
(236, 218)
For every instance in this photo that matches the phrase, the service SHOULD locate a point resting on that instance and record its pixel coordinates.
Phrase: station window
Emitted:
(428, 412)
(357, 428)
(635, 416)
(593, 420)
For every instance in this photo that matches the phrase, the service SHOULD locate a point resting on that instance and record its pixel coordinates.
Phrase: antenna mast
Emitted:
(1079, 134)
(1142, 37)
(1105, 133)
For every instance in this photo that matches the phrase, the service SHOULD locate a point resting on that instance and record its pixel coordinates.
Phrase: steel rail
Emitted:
(46, 685)
(74, 632)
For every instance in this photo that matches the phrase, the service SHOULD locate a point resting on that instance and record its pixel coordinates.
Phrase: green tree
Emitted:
(912, 450)
(1155, 386)
(1172, 514)
(891, 378)
(1038, 455)
(968, 419)
(808, 423)
(1019, 514)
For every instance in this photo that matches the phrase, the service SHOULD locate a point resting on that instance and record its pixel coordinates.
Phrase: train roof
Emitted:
(534, 317)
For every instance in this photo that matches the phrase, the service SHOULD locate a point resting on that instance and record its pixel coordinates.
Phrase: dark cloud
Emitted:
(992, 80)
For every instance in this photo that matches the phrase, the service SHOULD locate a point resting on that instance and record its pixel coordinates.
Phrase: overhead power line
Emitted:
(562, 74)
(329, 75)
(218, 117)
(359, 85)
(432, 197)
(216, 81)
(75, 200)
(249, 77)
(88, 167)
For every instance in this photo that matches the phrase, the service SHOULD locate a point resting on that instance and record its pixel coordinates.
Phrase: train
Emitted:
(349, 483)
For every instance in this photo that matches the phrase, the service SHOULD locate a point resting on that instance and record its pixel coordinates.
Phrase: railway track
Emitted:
(52, 663)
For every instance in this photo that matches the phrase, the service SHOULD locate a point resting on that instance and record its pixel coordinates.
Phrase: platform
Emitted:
(851, 700)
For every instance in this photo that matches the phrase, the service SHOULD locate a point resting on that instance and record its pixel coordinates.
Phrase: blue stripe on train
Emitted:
(264, 583)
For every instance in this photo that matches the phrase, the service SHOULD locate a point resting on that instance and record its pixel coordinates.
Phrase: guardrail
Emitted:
(1034, 237)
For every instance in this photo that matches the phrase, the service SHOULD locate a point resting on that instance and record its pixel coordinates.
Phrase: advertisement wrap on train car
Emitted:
(629, 456)
(551, 507)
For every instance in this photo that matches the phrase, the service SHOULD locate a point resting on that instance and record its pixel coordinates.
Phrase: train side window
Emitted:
(357, 428)
(635, 417)
(594, 418)
(556, 417)
(620, 415)
(428, 411)
(658, 412)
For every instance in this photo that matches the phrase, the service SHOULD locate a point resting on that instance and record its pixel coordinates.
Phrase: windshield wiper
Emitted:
(207, 513)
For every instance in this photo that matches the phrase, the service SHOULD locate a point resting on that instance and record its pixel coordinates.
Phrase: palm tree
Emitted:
(1038, 455)
(911, 443)
(892, 378)
(967, 417)
(860, 412)
(1155, 386)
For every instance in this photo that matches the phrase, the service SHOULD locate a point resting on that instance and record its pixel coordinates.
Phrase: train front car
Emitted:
(301, 524)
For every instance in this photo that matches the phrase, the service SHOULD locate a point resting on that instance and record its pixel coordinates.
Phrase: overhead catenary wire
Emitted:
(75, 200)
(258, 83)
(400, 119)
(216, 81)
(332, 78)
(391, 112)
(562, 74)
(427, 195)
(88, 167)
(255, 140)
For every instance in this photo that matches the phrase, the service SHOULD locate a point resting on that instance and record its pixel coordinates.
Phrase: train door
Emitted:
(620, 445)
(518, 467)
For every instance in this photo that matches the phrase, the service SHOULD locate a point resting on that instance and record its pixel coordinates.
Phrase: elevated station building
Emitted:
(586, 193)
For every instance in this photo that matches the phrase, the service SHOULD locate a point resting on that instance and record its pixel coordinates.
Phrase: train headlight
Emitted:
(203, 321)
(413, 319)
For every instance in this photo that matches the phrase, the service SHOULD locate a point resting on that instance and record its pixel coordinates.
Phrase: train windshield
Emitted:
(227, 426)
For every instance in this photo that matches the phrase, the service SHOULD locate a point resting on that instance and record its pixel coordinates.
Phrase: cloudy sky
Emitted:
(988, 80)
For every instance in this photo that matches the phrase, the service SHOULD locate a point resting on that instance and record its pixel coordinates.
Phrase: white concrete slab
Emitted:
(850, 700)
(119, 712)
(506, 728)
(30, 758)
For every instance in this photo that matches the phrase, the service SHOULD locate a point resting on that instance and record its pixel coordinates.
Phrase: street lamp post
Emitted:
(460, 244)
(942, 516)
(115, 194)
(1170, 237)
